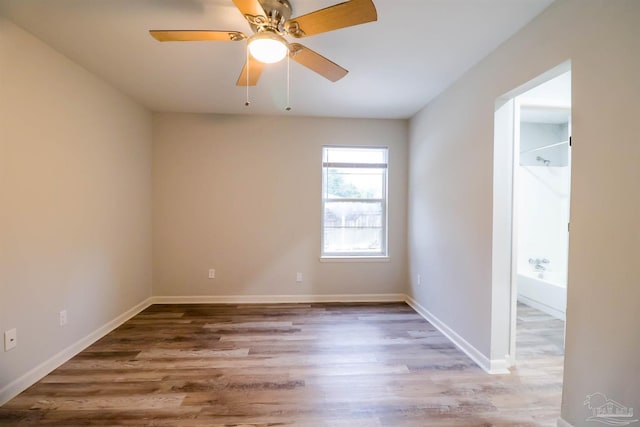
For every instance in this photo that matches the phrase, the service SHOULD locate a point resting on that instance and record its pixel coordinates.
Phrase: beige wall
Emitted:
(75, 202)
(242, 194)
(450, 187)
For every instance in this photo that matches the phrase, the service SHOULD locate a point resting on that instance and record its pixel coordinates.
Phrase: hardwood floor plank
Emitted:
(191, 354)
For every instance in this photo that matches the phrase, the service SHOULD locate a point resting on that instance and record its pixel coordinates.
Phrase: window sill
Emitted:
(354, 259)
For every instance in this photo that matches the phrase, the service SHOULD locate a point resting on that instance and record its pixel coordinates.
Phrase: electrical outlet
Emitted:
(63, 317)
(299, 277)
(419, 279)
(212, 273)
(10, 339)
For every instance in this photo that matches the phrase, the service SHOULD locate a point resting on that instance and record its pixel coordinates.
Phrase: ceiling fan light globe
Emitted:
(268, 47)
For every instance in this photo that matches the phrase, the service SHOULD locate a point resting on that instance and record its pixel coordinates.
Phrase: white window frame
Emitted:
(384, 252)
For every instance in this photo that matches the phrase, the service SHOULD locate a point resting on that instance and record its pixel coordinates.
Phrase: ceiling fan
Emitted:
(270, 22)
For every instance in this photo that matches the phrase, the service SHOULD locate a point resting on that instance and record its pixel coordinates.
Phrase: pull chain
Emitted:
(288, 83)
(246, 104)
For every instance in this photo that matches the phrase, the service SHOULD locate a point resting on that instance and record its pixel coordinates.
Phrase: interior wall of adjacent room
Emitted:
(543, 199)
(450, 193)
(242, 195)
(75, 201)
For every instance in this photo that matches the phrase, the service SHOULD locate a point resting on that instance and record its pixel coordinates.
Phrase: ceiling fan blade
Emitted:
(196, 35)
(316, 62)
(255, 70)
(249, 7)
(347, 14)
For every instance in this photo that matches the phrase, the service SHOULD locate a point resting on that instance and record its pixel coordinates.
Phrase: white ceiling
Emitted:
(397, 65)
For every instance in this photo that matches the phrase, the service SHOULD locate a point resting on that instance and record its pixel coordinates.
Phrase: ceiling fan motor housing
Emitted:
(277, 13)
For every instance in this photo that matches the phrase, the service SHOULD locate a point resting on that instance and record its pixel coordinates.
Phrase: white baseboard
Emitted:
(563, 423)
(276, 299)
(20, 384)
(490, 366)
(499, 367)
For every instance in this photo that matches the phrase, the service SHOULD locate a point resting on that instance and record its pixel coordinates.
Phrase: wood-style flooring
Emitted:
(292, 365)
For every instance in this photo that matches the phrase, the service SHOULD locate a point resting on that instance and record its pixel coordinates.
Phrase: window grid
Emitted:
(349, 229)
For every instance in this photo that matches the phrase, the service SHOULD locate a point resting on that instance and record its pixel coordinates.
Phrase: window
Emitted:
(354, 202)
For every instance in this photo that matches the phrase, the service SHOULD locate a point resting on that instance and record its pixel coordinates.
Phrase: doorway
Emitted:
(532, 167)
(541, 195)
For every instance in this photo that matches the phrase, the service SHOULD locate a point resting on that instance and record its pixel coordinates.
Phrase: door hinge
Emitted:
(568, 226)
(570, 142)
